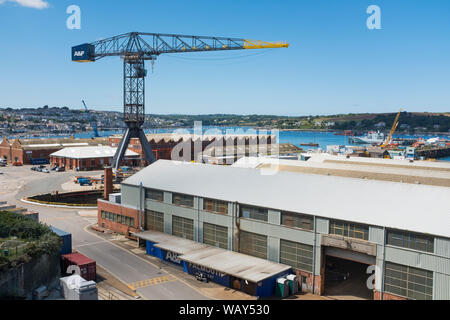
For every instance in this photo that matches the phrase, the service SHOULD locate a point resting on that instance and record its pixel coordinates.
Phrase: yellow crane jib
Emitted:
(393, 129)
(258, 44)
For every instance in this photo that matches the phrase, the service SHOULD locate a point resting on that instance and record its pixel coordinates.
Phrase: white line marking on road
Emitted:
(90, 244)
(154, 265)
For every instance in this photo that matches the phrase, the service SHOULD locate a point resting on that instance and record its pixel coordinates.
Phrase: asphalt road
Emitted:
(17, 183)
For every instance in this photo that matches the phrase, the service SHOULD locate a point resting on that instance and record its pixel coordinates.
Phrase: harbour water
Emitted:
(323, 139)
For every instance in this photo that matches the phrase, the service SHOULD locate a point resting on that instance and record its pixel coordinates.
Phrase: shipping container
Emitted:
(88, 268)
(66, 238)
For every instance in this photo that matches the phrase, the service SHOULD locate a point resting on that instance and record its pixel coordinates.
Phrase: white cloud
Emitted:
(36, 4)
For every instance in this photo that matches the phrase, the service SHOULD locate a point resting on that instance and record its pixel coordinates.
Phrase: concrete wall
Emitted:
(19, 282)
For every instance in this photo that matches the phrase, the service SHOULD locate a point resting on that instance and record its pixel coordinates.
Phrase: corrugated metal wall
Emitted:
(418, 260)
(322, 225)
(130, 196)
(376, 235)
(442, 247)
(441, 286)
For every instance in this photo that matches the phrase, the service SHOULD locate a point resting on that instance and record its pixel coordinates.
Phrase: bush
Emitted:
(40, 238)
(13, 224)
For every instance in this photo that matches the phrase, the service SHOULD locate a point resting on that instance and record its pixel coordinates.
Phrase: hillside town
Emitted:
(53, 121)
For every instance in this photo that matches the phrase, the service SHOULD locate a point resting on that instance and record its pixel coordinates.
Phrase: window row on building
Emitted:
(182, 200)
(215, 206)
(155, 195)
(118, 218)
(348, 229)
(410, 240)
(396, 238)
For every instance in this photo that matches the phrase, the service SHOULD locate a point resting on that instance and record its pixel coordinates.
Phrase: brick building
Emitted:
(90, 158)
(24, 151)
(164, 144)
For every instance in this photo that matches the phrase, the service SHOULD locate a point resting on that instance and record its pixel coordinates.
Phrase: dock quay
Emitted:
(434, 153)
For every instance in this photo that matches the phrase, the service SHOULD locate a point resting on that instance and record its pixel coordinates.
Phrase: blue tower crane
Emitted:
(92, 121)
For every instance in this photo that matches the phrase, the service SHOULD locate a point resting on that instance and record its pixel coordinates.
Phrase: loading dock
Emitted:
(345, 273)
(252, 275)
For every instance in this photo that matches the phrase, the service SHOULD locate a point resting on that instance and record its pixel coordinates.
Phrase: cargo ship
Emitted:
(371, 137)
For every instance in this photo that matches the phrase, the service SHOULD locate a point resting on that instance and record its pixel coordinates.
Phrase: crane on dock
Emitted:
(135, 48)
(388, 141)
(92, 121)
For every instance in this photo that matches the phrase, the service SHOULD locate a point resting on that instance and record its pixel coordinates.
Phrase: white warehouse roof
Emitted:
(90, 152)
(412, 207)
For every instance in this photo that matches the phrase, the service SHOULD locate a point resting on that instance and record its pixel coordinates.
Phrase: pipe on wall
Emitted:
(314, 257)
(140, 207)
(238, 226)
(382, 264)
(198, 219)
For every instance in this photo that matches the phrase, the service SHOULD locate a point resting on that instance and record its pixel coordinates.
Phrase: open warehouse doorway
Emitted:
(346, 274)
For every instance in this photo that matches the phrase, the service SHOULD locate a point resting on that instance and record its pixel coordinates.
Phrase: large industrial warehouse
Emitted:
(328, 229)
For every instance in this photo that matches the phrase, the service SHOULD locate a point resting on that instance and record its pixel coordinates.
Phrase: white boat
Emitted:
(371, 137)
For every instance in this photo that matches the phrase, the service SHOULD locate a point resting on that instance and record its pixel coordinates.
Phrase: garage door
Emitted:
(350, 255)
(183, 227)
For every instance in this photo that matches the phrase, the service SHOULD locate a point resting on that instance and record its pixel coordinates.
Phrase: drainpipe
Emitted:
(198, 219)
(238, 226)
(382, 264)
(140, 207)
(232, 227)
(314, 256)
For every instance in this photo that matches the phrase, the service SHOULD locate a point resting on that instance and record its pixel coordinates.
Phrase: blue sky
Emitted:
(334, 64)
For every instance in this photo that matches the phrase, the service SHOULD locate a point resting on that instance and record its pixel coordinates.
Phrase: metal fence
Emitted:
(12, 251)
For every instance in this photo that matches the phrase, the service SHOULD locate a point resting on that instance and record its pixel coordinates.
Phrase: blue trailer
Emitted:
(66, 247)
